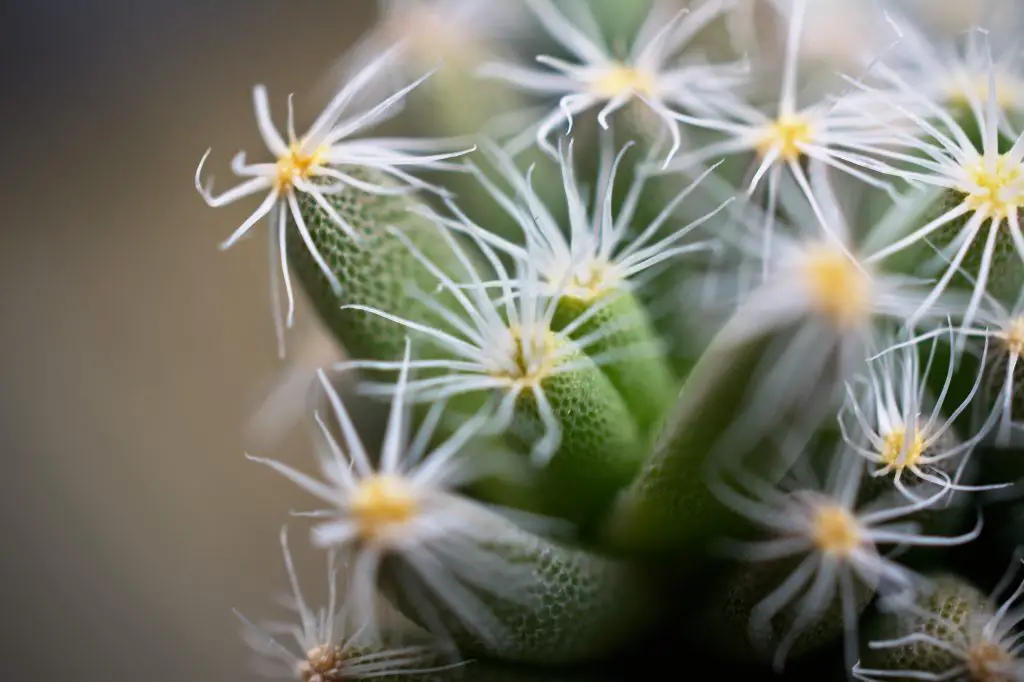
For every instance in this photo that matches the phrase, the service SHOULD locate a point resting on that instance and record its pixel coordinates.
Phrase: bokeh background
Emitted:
(133, 351)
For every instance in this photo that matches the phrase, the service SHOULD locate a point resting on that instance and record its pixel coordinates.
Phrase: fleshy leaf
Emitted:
(956, 601)
(669, 507)
(1006, 274)
(725, 621)
(600, 449)
(637, 367)
(580, 606)
(378, 271)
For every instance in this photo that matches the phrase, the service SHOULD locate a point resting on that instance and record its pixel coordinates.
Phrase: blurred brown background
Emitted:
(133, 350)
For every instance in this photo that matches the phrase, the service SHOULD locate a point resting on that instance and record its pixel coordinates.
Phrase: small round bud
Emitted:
(322, 664)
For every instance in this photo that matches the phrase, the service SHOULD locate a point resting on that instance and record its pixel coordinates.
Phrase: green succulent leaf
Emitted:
(947, 614)
(580, 606)
(669, 508)
(726, 617)
(600, 449)
(1006, 275)
(376, 271)
(636, 364)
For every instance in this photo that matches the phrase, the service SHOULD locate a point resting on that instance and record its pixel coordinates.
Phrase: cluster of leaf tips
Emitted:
(670, 359)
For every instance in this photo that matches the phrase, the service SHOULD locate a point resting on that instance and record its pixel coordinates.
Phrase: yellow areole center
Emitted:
(590, 281)
(621, 79)
(322, 664)
(534, 357)
(380, 504)
(839, 290)
(836, 531)
(975, 86)
(296, 164)
(786, 136)
(995, 190)
(1013, 336)
(898, 453)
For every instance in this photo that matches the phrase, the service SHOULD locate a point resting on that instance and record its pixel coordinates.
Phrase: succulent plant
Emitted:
(664, 317)
(954, 632)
